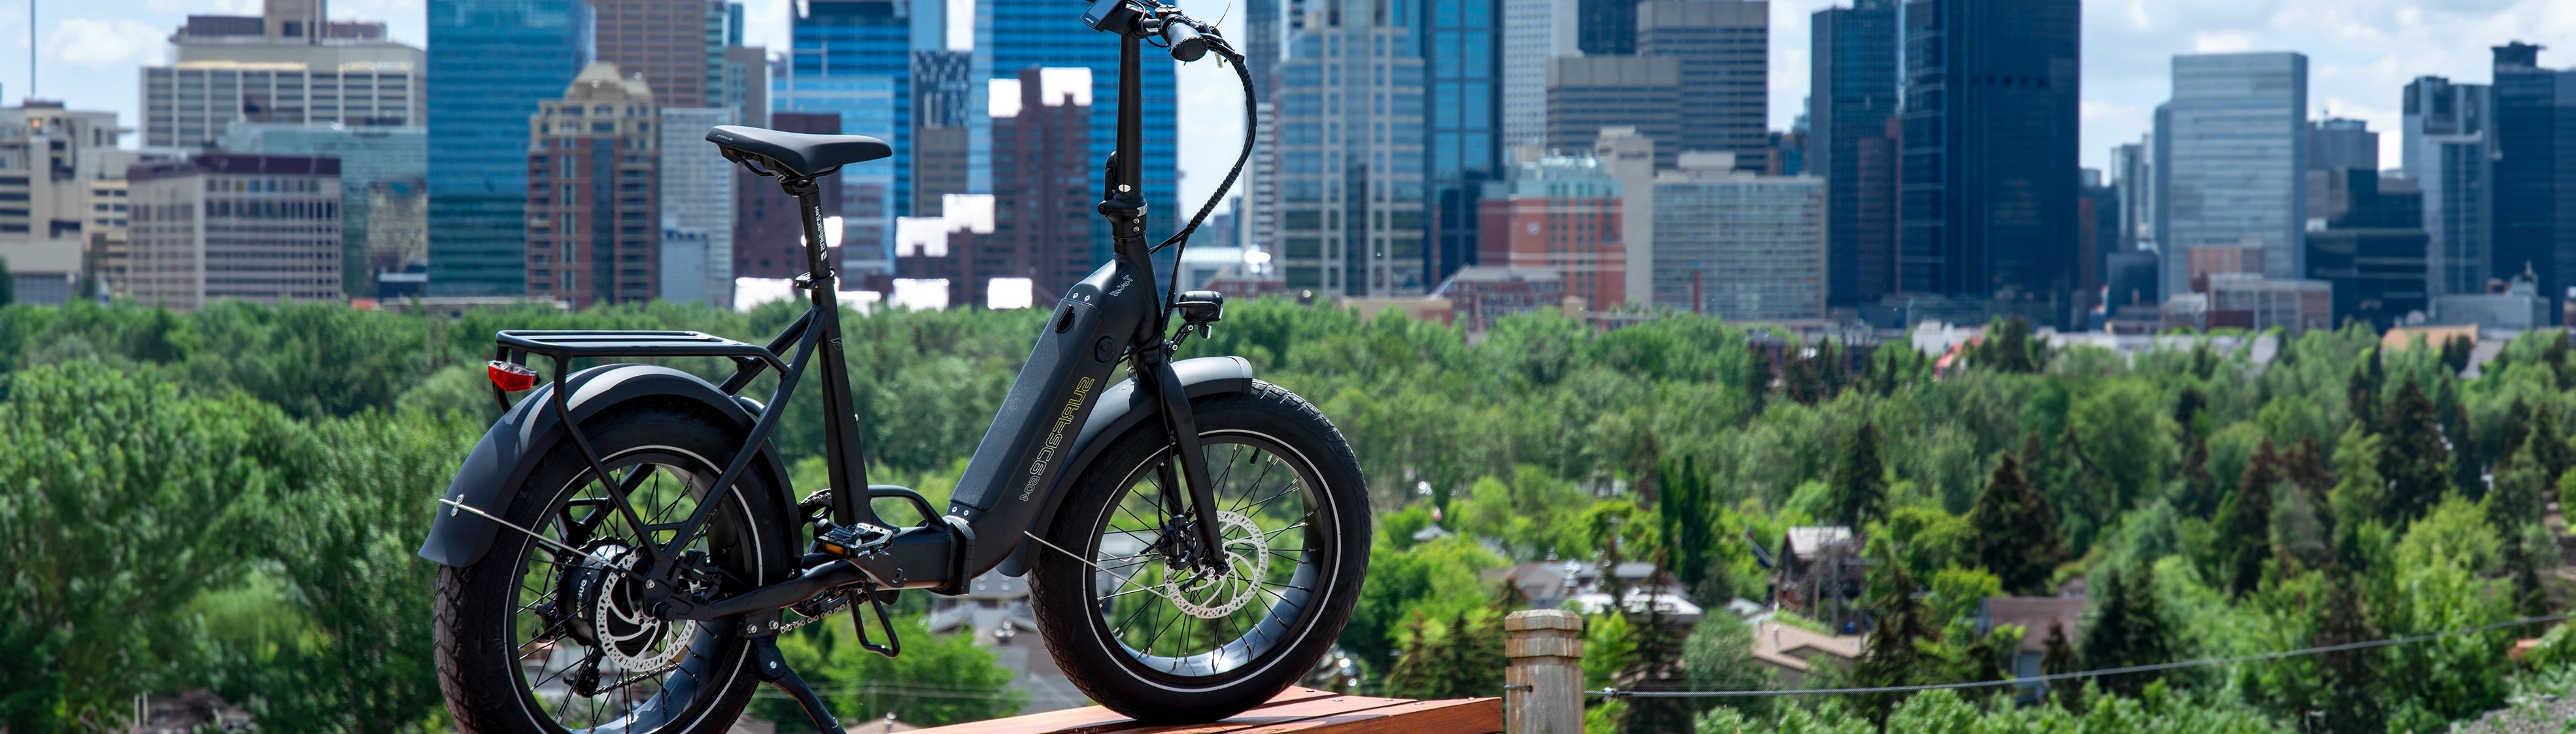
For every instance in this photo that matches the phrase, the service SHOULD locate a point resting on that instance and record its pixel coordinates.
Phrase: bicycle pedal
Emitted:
(853, 540)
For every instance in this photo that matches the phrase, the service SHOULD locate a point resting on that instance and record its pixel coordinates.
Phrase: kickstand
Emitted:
(773, 670)
(894, 644)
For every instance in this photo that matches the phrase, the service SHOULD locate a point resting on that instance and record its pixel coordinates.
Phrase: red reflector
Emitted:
(511, 376)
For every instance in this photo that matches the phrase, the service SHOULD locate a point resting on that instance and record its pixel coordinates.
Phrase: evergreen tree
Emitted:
(2456, 351)
(1859, 482)
(1689, 517)
(2247, 529)
(2130, 630)
(2355, 701)
(2517, 427)
(2189, 404)
(2057, 657)
(2007, 346)
(2549, 449)
(2416, 463)
(1455, 660)
(2361, 390)
(2013, 530)
(2199, 495)
(1891, 657)
(8, 285)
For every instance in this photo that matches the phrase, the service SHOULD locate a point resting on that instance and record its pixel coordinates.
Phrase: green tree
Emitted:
(2248, 521)
(2198, 495)
(1459, 658)
(1718, 656)
(2129, 629)
(2416, 460)
(8, 285)
(119, 500)
(2015, 531)
(1859, 482)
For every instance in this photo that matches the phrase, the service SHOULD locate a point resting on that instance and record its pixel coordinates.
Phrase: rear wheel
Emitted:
(542, 640)
(1150, 636)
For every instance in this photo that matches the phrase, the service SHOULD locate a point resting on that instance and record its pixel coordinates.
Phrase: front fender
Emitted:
(1123, 407)
(490, 477)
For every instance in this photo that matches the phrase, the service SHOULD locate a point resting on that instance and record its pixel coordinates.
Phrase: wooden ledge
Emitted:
(1298, 710)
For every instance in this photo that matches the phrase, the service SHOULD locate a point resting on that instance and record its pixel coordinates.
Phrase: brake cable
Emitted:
(1226, 55)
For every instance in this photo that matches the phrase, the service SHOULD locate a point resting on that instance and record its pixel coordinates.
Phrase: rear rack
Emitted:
(563, 346)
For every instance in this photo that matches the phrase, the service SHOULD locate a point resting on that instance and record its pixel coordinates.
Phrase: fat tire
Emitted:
(474, 605)
(1064, 609)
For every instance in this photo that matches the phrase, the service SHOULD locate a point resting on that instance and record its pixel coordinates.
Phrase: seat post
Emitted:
(842, 455)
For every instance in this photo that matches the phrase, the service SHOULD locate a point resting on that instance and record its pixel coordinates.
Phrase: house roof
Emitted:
(1808, 539)
(2033, 614)
(1791, 647)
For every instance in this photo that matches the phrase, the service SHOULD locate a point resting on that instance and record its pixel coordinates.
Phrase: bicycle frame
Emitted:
(1116, 315)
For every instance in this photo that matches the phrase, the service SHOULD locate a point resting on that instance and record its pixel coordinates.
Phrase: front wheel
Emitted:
(1157, 640)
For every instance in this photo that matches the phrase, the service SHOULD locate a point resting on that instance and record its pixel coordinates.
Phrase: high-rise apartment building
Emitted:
(2448, 148)
(1561, 214)
(676, 45)
(1020, 34)
(1588, 93)
(2535, 171)
(220, 226)
(491, 62)
(1533, 32)
(1351, 152)
(1736, 245)
(1854, 97)
(368, 156)
(1460, 43)
(698, 202)
(51, 158)
(2231, 161)
(594, 224)
(1986, 209)
(229, 69)
(1724, 50)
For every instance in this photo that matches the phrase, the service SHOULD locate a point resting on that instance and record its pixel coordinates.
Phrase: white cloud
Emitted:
(203, 7)
(108, 44)
(2222, 42)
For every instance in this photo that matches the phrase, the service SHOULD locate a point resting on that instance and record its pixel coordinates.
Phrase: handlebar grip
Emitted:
(1186, 45)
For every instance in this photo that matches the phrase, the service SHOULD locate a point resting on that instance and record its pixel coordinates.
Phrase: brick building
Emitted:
(1560, 213)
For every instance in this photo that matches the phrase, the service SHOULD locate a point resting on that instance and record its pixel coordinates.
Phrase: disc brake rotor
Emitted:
(1209, 595)
(625, 634)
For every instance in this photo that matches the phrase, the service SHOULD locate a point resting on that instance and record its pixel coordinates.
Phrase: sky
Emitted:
(2360, 53)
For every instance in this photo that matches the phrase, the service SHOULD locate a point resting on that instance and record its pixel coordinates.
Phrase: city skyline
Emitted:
(2361, 54)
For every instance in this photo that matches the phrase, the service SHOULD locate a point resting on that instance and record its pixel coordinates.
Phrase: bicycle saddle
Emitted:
(798, 154)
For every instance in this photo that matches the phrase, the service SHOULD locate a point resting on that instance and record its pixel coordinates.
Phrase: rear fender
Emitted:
(1123, 407)
(490, 477)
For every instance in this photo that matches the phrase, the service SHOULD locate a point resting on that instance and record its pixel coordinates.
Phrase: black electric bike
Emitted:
(623, 549)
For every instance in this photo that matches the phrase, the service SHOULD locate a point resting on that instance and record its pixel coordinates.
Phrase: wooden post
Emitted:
(1543, 687)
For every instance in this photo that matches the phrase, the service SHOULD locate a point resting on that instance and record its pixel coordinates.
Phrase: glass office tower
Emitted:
(2535, 170)
(854, 58)
(1464, 70)
(1987, 195)
(2231, 162)
(490, 63)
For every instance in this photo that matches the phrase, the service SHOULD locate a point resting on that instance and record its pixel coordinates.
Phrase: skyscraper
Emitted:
(2535, 170)
(768, 237)
(666, 41)
(854, 58)
(1606, 27)
(2340, 144)
(2448, 149)
(1462, 71)
(593, 161)
(1986, 205)
(1739, 246)
(1723, 47)
(1533, 32)
(490, 63)
(1031, 238)
(1588, 93)
(698, 200)
(1854, 97)
(1351, 179)
(230, 69)
(2231, 161)
(2373, 251)
(397, 157)
(1020, 34)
